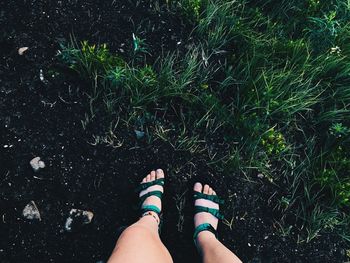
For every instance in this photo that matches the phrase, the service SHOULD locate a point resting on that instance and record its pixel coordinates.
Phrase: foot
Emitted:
(204, 217)
(153, 200)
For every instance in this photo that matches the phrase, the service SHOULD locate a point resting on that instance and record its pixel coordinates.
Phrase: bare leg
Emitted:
(140, 242)
(211, 249)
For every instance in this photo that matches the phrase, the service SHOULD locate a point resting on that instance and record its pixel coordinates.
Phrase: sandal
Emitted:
(147, 209)
(213, 211)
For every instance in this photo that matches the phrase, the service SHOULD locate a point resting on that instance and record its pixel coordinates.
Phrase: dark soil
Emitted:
(43, 118)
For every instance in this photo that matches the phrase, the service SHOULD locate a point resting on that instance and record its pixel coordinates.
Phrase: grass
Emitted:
(269, 80)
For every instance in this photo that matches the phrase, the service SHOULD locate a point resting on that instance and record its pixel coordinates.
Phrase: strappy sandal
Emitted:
(145, 210)
(213, 211)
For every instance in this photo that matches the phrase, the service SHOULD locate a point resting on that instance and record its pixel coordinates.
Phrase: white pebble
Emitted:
(37, 164)
(22, 50)
(41, 75)
(31, 211)
(81, 216)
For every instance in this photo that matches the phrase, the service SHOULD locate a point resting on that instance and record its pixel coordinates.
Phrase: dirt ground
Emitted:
(43, 118)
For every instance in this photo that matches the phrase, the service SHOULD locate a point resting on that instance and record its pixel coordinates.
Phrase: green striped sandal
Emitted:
(213, 211)
(147, 209)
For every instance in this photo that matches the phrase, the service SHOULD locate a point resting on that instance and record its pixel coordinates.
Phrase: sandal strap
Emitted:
(153, 193)
(152, 208)
(213, 211)
(143, 186)
(204, 227)
(213, 198)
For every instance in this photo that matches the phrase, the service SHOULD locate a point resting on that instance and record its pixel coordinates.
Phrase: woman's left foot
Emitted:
(205, 217)
(152, 200)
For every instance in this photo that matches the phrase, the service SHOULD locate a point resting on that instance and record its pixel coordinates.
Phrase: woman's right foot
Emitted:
(205, 217)
(152, 200)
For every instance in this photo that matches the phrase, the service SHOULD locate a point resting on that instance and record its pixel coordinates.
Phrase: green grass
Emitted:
(267, 79)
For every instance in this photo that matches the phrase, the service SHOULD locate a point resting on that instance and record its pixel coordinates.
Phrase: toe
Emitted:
(198, 187)
(159, 173)
(214, 193)
(153, 175)
(148, 178)
(206, 189)
(210, 191)
(144, 180)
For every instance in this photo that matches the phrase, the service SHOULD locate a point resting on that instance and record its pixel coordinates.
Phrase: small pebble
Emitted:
(77, 218)
(41, 76)
(31, 211)
(22, 50)
(37, 164)
(139, 134)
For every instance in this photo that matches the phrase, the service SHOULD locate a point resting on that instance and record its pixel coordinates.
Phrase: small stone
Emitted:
(77, 218)
(260, 176)
(139, 134)
(22, 50)
(37, 164)
(335, 49)
(31, 211)
(41, 75)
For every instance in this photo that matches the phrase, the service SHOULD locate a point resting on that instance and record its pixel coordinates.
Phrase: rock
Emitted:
(77, 218)
(139, 134)
(31, 211)
(37, 164)
(22, 50)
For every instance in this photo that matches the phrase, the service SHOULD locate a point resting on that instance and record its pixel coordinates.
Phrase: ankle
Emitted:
(147, 223)
(152, 215)
(205, 238)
